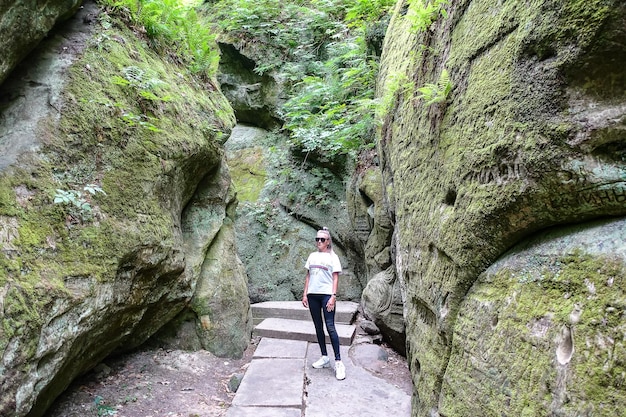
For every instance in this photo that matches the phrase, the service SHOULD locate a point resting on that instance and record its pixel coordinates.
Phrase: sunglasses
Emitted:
(320, 239)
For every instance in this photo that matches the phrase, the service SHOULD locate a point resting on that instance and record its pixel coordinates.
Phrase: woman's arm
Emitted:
(330, 306)
(305, 300)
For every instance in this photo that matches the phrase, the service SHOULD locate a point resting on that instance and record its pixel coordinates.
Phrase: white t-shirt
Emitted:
(321, 266)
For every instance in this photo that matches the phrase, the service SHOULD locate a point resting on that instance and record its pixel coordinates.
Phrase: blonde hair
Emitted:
(325, 231)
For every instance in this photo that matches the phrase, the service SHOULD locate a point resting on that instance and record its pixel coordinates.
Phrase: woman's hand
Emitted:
(330, 305)
(305, 301)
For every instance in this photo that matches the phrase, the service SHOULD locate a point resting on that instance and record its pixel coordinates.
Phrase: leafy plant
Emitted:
(147, 85)
(79, 206)
(102, 409)
(131, 119)
(319, 46)
(397, 84)
(148, 88)
(422, 13)
(174, 29)
(436, 93)
(362, 12)
(278, 32)
(331, 113)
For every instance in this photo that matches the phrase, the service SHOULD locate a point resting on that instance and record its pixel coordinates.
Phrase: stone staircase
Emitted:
(289, 320)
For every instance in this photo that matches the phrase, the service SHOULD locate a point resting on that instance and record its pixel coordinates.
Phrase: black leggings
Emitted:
(317, 306)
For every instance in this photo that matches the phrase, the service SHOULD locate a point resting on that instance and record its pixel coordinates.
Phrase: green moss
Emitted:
(248, 170)
(21, 316)
(531, 306)
(146, 152)
(8, 204)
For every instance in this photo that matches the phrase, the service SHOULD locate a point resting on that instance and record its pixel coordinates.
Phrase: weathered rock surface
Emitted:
(530, 136)
(255, 98)
(79, 282)
(382, 302)
(24, 23)
(275, 239)
(541, 332)
(381, 298)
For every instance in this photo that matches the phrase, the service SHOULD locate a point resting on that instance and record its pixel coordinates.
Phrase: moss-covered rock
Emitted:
(274, 234)
(529, 136)
(23, 24)
(541, 332)
(110, 150)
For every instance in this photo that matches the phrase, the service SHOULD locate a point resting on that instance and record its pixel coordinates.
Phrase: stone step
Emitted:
(288, 329)
(294, 310)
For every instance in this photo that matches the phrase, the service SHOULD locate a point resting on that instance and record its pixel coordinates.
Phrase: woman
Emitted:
(320, 297)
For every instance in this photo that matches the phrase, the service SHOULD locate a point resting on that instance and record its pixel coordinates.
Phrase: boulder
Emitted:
(382, 303)
(24, 23)
(114, 208)
(541, 331)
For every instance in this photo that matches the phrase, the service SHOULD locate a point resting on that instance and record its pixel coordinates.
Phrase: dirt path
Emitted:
(154, 383)
(159, 383)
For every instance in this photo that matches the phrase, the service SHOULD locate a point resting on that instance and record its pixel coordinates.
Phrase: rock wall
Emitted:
(23, 23)
(115, 209)
(381, 298)
(256, 99)
(274, 235)
(530, 136)
(541, 331)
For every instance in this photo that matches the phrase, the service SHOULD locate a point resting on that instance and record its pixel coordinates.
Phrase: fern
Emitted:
(422, 13)
(397, 84)
(436, 93)
(174, 29)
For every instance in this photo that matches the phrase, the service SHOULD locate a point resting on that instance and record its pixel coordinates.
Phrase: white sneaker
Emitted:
(322, 362)
(340, 370)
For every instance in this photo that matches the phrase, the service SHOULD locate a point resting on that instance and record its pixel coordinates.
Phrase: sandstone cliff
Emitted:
(115, 207)
(529, 136)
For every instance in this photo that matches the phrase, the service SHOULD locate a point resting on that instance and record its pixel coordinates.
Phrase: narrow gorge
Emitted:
(146, 195)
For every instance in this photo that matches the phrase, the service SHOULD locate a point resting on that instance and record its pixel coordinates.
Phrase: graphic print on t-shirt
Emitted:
(321, 266)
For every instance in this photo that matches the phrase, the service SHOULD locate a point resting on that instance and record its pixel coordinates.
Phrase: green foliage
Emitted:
(363, 12)
(422, 13)
(396, 85)
(436, 93)
(148, 89)
(141, 80)
(131, 119)
(102, 409)
(319, 46)
(332, 113)
(280, 32)
(274, 225)
(78, 204)
(174, 29)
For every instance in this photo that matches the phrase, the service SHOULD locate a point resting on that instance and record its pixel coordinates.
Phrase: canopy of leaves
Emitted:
(319, 47)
